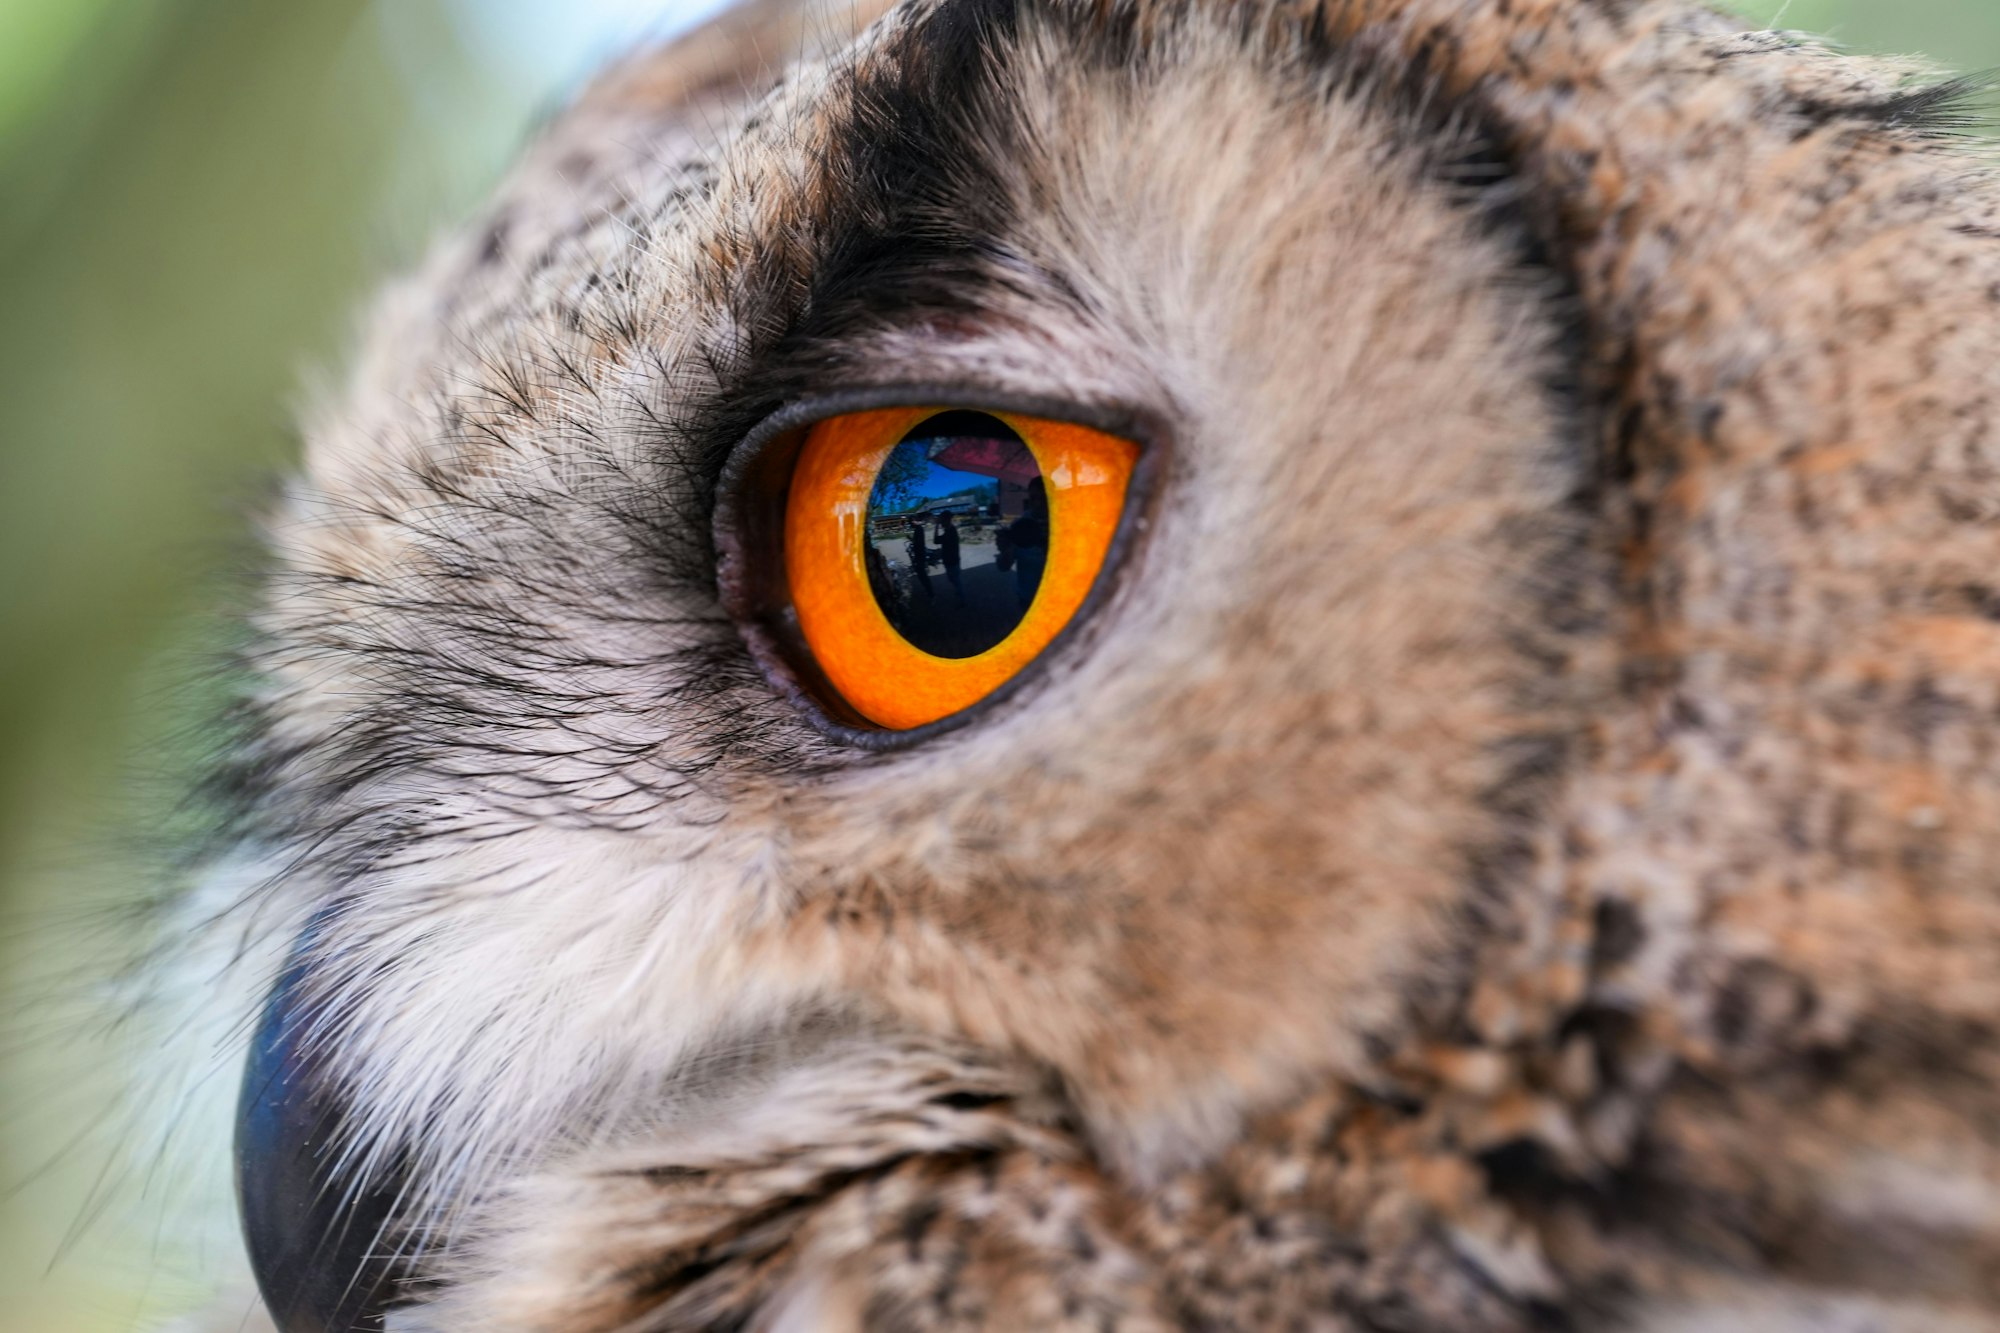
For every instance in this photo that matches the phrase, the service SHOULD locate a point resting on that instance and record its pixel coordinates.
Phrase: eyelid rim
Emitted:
(749, 530)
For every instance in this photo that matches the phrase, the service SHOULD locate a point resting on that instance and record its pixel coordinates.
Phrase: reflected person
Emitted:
(946, 536)
(920, 557)
(1028, 539)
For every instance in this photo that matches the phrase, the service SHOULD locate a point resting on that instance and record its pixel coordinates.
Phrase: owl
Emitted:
(1141, 665)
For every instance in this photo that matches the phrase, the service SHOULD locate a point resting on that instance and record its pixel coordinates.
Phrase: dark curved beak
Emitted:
(320, 1248)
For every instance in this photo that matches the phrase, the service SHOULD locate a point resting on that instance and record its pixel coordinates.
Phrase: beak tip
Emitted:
(317, 1244)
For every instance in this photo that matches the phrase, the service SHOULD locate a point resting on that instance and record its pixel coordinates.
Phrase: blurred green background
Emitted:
(194, 194)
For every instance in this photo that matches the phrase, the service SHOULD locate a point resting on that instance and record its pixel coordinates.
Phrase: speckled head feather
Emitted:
(1516, 844)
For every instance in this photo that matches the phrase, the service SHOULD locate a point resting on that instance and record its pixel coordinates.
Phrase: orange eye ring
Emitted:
(880, 673)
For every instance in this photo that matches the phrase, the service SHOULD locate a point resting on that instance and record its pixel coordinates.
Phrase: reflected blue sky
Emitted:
(944, 481)
(935, 483)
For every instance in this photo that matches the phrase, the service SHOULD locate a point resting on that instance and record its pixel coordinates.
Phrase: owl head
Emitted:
(1039, 663)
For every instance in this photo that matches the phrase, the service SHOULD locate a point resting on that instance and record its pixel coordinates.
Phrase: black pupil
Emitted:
(958, 533)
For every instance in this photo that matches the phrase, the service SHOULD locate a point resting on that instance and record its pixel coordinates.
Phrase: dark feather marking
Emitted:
(1949, 108)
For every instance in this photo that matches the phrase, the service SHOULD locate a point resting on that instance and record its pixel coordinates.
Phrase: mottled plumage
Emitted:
(1517, 847)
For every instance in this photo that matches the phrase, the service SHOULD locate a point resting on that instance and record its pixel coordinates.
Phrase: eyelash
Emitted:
(809, 542)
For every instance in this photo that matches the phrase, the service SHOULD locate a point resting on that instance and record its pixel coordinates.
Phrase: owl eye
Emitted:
(931, 554)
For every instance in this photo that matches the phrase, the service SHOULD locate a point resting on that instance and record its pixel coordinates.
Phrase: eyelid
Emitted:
(749, 520)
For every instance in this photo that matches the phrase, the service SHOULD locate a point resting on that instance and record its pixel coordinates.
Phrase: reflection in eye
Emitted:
(931, 554)
(958, 534)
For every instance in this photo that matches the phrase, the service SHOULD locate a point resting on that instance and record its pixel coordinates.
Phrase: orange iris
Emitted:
(846, 618)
